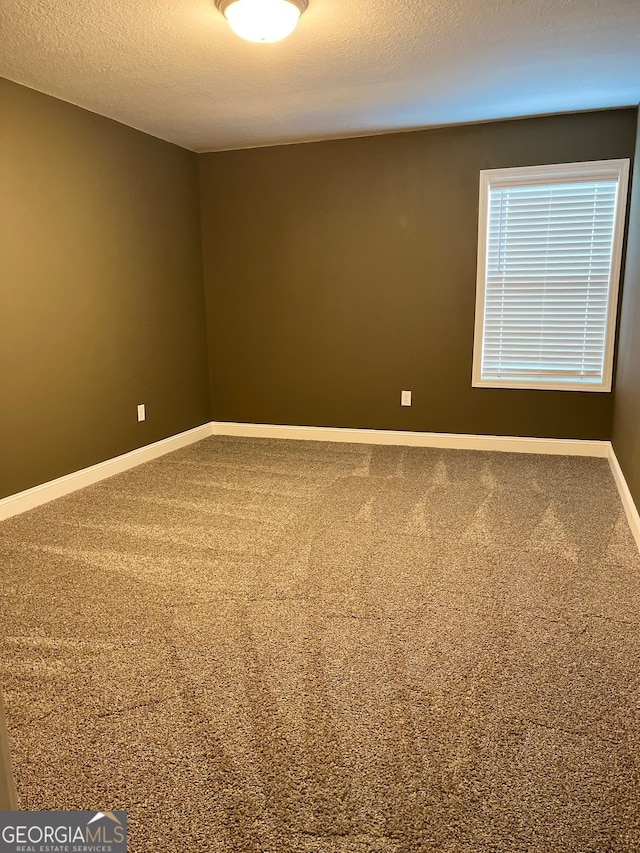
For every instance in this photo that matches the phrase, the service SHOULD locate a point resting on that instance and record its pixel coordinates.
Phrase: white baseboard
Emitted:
(38, 495)
(31, 498)
(630, 508)
(508, 444)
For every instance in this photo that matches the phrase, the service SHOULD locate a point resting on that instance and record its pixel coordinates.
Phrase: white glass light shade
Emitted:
(263, 20)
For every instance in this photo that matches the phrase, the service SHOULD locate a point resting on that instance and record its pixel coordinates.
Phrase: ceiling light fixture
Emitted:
(262, 20)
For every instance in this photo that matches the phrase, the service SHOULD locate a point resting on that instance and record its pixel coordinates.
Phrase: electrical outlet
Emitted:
(405, 398)
(142, 413)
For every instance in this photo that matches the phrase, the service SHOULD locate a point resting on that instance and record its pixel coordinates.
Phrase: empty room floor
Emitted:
(294, 647)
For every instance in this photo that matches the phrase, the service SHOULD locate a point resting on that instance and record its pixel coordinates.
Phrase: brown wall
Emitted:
(101, 302)
(336, 274)
(339, 273)
(626, 419)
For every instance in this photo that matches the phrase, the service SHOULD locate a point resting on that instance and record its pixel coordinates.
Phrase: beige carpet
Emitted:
(281, 647)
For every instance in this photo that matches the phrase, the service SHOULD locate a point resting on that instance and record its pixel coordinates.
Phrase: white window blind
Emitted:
(548, 271)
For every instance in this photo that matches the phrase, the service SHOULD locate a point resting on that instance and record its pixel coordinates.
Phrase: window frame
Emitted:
(535, 175)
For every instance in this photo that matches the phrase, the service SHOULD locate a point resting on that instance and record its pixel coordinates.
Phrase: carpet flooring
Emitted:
(262, 646)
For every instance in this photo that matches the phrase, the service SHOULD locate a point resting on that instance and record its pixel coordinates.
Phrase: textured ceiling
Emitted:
(174, 69)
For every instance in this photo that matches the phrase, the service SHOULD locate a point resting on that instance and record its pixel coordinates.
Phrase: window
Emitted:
(549, 252)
